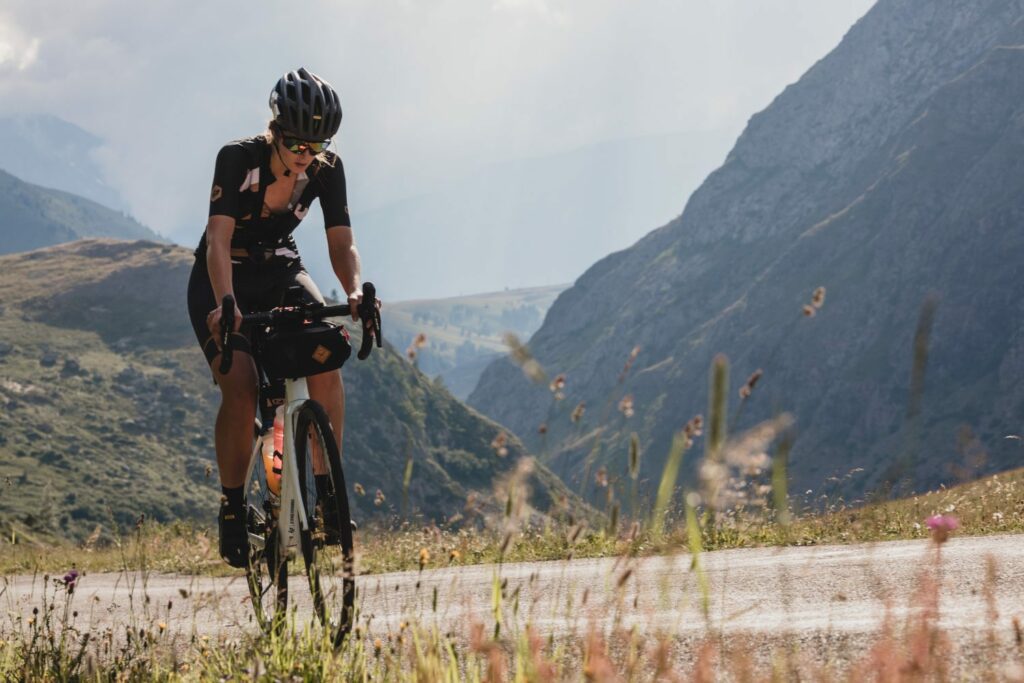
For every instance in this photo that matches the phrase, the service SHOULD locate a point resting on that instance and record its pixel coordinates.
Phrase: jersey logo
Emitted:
(216, 194)
(321, 354)
(251, 181)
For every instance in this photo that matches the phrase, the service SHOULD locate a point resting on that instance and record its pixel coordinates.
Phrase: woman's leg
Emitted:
(328, 390)
(235, 419)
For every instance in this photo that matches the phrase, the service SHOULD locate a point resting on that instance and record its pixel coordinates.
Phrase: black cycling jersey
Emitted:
(240, 181)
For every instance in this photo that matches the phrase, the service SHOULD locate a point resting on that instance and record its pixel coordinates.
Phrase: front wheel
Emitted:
(267, 570)
(327, 543)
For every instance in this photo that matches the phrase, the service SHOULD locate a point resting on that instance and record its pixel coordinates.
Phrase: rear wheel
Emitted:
(267, 569)
(327, 543)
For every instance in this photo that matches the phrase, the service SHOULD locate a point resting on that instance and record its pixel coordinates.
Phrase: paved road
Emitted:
(816, 595)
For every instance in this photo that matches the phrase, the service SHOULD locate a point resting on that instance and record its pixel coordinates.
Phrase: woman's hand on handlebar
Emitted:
(213, 322)
(355, 299)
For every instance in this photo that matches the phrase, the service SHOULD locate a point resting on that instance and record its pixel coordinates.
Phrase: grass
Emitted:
(58, 640)
(992, 505)
(739, 500)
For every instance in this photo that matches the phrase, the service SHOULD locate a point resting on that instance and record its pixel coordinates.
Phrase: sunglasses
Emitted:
(297, 146)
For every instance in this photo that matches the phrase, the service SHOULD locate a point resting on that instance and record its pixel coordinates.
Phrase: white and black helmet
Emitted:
(305, 106)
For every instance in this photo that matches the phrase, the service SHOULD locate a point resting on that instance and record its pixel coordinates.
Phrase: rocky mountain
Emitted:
(49, 151)
(32, 216)
(890, 175)
(107, 406)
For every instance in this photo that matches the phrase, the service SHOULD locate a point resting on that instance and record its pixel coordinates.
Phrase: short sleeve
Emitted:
(229, 174)
(333, 195)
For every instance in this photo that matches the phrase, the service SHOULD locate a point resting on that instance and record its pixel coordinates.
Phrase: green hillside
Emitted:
(32, 216)
(107, 405)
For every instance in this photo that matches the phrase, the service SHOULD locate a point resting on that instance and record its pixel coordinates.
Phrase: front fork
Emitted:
(296, 394)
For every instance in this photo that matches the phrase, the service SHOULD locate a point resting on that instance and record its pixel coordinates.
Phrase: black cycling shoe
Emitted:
(234, 539)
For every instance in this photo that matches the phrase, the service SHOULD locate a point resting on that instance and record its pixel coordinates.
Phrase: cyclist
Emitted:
(262, 188)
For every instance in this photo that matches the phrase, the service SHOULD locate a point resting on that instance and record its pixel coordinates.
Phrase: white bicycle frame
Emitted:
(292, 515)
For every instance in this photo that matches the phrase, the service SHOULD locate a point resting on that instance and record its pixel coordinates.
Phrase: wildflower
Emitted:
(523, 358)
(499, 444)
(377, 646)
(358, 488)
(634, 455)
(626, 405)
(454, 555)
(557, 385)
(601, 477)
(70, 579)
(629, 363)
(997, 516)
(378, 498)
(818, 298)
(748, 388)
(209, 470)
(543, 429)
(424, 557)
(506, 543)
(418, 342)
(809, 311)
(162, 626)
(577, 412)
(941, 526)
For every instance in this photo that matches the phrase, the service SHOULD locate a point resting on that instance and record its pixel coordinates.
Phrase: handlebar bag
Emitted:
(309, 350)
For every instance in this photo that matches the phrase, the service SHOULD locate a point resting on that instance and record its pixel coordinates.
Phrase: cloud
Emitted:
(541, 8)
(429, 89)
(18, 51)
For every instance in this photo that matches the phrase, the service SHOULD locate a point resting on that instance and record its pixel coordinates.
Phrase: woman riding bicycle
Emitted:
(262, 188)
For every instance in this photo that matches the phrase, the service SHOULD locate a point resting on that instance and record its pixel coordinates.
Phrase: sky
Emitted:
(430, 88)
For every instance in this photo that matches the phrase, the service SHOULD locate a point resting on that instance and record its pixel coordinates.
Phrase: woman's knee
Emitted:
(325, 383)
(239, 385)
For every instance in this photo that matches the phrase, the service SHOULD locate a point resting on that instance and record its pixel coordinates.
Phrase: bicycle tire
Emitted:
(267, 568)
(320, 561)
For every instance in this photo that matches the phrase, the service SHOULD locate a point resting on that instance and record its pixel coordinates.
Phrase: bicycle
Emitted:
(298, 513)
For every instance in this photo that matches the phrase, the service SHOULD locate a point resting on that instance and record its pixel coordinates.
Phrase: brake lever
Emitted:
(369, 313)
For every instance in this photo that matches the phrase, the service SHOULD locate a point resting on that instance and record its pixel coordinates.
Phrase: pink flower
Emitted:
(941, 526)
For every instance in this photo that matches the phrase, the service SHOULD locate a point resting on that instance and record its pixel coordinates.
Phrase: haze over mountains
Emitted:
(889, 174)
(529, 222)
(45, 150)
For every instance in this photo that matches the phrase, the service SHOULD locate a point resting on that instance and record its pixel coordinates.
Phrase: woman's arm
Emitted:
(218, 263)
(218, 254)
(341, 247)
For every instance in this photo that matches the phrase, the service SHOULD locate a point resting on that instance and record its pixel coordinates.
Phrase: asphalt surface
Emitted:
(832, 599)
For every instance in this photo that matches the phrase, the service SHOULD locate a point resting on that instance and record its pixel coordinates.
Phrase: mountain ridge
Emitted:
(813, 194)
(34, 216)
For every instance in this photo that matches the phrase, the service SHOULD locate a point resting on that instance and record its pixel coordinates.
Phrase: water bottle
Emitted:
(273, 446)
